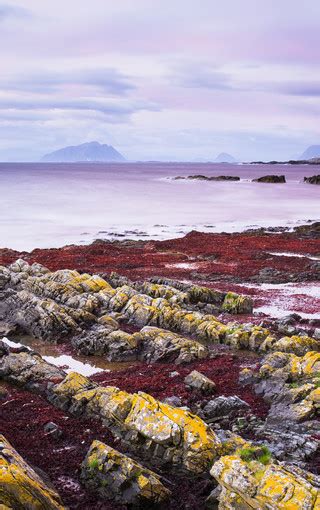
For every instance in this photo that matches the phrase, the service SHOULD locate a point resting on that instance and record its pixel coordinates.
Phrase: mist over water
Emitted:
(51, 205)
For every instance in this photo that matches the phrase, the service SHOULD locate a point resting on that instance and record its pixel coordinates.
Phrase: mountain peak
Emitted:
(88, 151)
(224, 157)
(311, 152)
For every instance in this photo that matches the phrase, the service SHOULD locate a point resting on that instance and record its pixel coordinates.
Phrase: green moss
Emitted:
(94, 464)
(295, 385)
(261, 454)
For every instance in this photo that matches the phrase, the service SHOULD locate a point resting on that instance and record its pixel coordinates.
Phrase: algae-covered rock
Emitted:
(118, 477)
(20, 486)
(265, 487)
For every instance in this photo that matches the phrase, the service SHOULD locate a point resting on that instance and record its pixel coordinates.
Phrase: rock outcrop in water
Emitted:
(208, 178)
(271, 179)
(314, 179)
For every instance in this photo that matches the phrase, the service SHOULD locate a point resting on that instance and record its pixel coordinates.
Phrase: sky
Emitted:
(160, 79)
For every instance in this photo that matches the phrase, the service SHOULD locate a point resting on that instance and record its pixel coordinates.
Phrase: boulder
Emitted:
(224, 406)
(20, 486)
(118, 477)
(198, 381)
(252, 484)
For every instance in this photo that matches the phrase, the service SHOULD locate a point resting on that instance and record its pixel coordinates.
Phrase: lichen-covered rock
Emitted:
(200, 382)
(162, 433)
(118, 477)
(67, 304)
(188, 294)
(20, 486)
(265, 487)
(28, 369)
(298, 345)
(234, 303)
(159, 345)
(291, 383)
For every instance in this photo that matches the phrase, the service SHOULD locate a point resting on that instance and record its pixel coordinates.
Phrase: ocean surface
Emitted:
(51, 205)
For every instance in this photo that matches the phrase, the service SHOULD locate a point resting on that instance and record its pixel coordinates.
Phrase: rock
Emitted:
(296, 344)
(159, 345)
(316, 334)
(315, 179)
(198, 381)
(235, 303)
(173, 401)
(20, 486)
(209, 178)
(224, 406)
(255, 485)
(118, 477)
(271, 179)
(81, 309)
(154, 430)
(53, 430)
(3, 392)
(291, 384)
(28, 369)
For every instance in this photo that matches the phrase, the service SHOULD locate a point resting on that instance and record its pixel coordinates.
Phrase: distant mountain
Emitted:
(92, 151)
(312, 152)
(225, 158)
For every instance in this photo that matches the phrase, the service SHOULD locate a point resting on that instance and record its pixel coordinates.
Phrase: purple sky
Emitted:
(160, 79)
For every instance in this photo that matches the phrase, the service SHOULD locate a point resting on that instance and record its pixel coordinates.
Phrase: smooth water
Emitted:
(51, 205)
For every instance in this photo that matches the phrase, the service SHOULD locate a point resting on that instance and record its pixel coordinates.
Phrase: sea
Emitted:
(47, 205)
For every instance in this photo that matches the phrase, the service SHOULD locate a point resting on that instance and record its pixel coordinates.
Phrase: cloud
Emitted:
(299, 88)
(13, 11)
(114, 110)
(107, 80)
(195, 75)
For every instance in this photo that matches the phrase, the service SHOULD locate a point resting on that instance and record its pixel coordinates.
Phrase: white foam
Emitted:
(291, 254)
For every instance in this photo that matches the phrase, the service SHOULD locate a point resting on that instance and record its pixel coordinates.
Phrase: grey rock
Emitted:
(198, 381)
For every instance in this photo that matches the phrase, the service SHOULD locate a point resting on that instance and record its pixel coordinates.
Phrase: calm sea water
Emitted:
(51, 205)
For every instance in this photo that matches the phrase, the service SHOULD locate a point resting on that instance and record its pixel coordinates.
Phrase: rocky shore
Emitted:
(220, 405)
